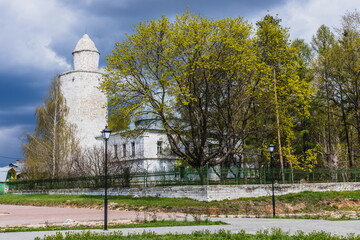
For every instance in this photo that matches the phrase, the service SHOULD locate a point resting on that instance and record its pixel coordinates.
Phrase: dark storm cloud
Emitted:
(18, 101)
(108, 22)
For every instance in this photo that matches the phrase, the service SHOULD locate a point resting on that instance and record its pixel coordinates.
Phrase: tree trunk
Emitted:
(291, 168)
(281, 159)
(348, 143)
(358, 124)
(203, 175)
(54, 154)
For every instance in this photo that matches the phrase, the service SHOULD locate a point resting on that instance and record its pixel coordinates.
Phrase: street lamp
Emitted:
(106, 135)
(271, 150)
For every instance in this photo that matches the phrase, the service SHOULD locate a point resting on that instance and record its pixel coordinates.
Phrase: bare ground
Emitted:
(15, 215)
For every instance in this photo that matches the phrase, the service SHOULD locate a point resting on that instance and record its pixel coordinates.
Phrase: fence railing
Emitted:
(186, 176)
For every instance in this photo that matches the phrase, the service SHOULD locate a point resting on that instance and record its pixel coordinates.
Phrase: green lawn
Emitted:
(313, 204)
(274, 235)
(93, 201)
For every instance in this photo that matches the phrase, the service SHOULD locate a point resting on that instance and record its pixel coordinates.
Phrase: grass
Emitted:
(318, 217)
(87, 200)
(119, 202)
(314, 197)
(312, 204)
(161, 223)
(264, 235)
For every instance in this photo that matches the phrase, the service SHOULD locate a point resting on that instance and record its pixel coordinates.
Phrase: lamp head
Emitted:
(106, 133)
(271, 147)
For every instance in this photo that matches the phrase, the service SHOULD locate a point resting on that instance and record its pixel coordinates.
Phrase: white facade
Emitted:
(149, 151)
(86, 103)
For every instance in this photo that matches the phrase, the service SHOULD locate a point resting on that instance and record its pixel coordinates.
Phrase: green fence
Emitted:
(188, 176)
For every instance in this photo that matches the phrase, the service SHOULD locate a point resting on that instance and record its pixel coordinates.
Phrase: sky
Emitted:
(38, 36)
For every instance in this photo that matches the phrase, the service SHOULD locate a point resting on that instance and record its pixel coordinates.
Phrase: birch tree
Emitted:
(50, 149)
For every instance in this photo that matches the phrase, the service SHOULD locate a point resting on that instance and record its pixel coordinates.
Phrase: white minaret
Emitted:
(86, 103)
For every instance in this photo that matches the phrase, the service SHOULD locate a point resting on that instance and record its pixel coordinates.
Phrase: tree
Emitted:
(283, 96)
(305, 148)
(347, 78)
(91, 162)
(194, 75)
(50, 149)
(335, 111)
(323, 43)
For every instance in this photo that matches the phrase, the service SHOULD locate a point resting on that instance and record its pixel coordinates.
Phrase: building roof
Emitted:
(16, 166)
(85, 44)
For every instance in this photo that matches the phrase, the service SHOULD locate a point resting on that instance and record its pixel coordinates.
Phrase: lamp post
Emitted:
(271, 150)
(106, 135)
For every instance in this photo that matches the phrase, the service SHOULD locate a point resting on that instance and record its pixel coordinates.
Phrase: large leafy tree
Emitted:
(195, 75)
(50, 149)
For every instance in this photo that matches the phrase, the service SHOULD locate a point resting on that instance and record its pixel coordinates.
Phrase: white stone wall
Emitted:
(86, 61)
(208, 193)
(150, 143)
(86, 103)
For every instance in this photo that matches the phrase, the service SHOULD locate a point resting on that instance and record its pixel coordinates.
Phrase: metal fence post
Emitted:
(207, 174)
(164, 174)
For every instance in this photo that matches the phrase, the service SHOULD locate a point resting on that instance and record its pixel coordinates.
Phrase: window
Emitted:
(133, 149)
(116, 150)
(159, 147)
(124, 150)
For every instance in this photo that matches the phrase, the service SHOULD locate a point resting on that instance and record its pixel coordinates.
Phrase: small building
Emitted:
(6, 174)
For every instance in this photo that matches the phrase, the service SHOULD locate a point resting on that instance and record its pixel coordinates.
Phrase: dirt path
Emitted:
(15, 215)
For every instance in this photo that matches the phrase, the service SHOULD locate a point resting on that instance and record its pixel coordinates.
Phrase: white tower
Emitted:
(86, 103)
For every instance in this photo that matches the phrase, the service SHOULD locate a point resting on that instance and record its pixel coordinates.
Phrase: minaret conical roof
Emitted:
(85, 44)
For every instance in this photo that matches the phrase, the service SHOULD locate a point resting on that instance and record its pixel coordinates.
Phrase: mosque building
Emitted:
(86, 103)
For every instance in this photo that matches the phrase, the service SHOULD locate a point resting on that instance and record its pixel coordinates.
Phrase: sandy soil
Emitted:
(15, 215)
